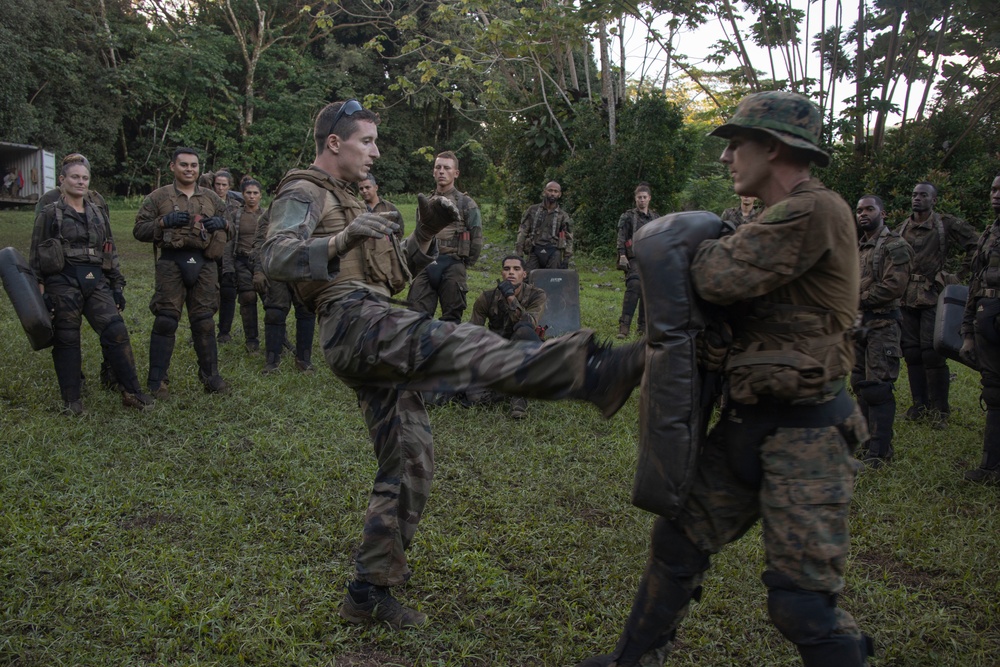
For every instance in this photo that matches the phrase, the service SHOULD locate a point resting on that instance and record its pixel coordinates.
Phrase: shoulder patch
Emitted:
(899, 251)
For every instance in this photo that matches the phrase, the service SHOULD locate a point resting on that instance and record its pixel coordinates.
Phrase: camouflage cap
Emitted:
(789, 117)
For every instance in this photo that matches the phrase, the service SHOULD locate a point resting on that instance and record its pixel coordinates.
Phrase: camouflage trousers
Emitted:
(797, 481)
(171, 293)
(633, 298)
(877, 357)
(388, 355)
(450, 287)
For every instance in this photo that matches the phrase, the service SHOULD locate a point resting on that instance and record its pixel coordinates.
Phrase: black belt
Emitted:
(870, 315)
(785, 415)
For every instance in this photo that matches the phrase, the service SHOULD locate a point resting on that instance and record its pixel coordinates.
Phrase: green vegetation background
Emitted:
(220, 530)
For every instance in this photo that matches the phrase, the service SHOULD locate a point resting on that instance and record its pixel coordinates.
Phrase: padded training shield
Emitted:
(22, 287)
(948, 321)
(562, 299)
(671, 416)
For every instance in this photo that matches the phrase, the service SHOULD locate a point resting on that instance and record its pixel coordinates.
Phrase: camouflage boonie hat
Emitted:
(788, 117)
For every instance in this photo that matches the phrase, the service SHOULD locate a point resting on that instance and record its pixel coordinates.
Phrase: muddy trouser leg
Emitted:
(454, 285)
(401, 433)
(277, 303)
(247, 298)
(633, 293)
(202, 300)
(858, 374)
(912, 353)
(103, 316)
(305, 331)
(880, 366)
(66, 355)
(169, 295)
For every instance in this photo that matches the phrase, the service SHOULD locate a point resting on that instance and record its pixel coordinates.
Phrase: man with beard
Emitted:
(545, 236)
(885, 272)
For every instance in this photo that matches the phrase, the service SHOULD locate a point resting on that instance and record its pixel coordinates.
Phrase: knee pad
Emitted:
(66, 336)
(913, 355)
(803, 617)
(202, 324)
(671, 545)
(874, 392)
(228, 292)
(275, 316)
(164, 325)
(248, 298)
(632, 280)
(115, 333)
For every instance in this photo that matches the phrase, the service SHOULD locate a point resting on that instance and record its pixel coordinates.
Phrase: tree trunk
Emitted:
(934, 64)
(859, 74)
(607, 90)
(888, 68)
(745, 63)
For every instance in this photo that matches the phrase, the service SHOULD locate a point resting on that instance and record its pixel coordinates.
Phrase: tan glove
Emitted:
(259, 283)
(435, 214)
(365, 226)
(623, 263)
(713, 346)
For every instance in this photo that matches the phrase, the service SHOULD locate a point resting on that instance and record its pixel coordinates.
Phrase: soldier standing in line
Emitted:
(545, 236)
(222, 183)
(460, 244)
(631, 222)
(885, 260)
(781, 452)
(375, 204)
(932, 236)
(74, 257)
(742, 214)
(981, 344)
(236, 262)
(185, 222)
(346, 264)
(513, 309)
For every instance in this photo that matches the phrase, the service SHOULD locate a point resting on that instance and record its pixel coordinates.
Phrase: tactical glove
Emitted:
(713, 345)
(365, 226)
(119, 298)
(434, 214)
(213, 224)
(176, 219)
(968, 352)
(49, 304)
(506, 289)
(259, 283)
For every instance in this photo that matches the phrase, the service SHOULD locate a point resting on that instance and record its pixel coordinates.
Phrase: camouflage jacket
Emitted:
(735, 216)
(204, 203)
(632, 221)
(84, 239)
(244, 224)
(311, 207)
(540, 226)
(985, 281)
(793, 278)
(885, 271)
(464, 237)
(932, 241)
(492, 309)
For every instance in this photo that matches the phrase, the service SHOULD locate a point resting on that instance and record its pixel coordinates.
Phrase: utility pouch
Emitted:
(107, 256)
(464, 245)
(51, 258)
(216, 245)
(383, 263)
(785, 374)
(89, 277)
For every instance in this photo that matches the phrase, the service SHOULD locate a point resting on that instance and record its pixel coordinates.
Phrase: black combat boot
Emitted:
(366, 603)
(988, 471)
(161, 349)
(880, 420)
(208, 361)
(249, 316)
(918, 391)
(611, 374)
(304, 331)
(67, 362)
(274, 339)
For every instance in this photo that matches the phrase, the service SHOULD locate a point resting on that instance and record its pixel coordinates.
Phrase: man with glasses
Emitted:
(346, 264)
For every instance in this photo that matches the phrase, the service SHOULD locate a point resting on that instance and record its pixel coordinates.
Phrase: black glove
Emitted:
(713, 345)
(119, 298)
(49, 304)
(213, 224)
(228, 279)
(968, 353)
(506, 289)
(176, 219)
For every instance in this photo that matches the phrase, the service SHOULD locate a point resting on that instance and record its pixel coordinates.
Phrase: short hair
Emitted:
(643, 187)
(931, 185)
(371, 178)
(323, 126)
(448, 155)
(517, 257)
(247, 182)
(185, 150)
(225, 174)
(878, 201)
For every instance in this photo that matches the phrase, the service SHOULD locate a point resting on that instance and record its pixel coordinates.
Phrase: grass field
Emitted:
(218, 530)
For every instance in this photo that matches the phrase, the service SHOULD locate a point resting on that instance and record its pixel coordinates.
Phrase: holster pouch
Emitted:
(189, 261)
(51, 258)
(88, 276)
(672, 414)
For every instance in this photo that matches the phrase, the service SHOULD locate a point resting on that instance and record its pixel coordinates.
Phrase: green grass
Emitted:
(220, 530)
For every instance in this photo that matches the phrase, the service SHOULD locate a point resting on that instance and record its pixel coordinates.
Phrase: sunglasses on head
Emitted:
(348, 108)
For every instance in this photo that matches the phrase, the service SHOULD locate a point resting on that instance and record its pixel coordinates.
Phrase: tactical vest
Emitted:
(787, 352)
(55, 252)
(555, 233)
(376, 261)
(636, 222)
(193, 234)
(456, 238)
(989, 275)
